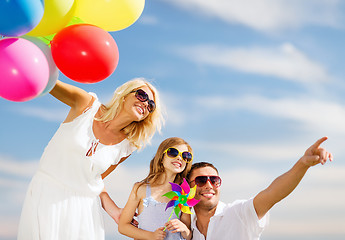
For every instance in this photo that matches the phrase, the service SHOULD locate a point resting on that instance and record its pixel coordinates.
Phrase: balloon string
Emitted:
(48, 40)
(168, 219)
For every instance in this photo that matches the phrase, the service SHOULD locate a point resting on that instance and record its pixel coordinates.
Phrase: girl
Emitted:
(171, 163)
(62, 200)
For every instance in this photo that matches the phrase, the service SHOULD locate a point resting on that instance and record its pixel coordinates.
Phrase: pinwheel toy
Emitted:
(182, 197)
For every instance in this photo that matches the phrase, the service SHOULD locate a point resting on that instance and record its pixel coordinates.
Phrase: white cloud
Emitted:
(14, 179)
(268, 15)
(304, 228)
(258, 152)
(175, 106)
(9, 227)
(148, 20)
(285, 61)
(24, 169)
(52, 115)
(315, 115)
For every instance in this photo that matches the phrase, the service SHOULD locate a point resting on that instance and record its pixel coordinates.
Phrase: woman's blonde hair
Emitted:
(156, 164)
(138, 133)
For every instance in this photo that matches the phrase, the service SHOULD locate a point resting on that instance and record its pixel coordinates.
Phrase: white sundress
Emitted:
(62, 201)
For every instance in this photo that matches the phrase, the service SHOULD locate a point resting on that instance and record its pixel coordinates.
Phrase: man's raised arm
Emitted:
(282, 186)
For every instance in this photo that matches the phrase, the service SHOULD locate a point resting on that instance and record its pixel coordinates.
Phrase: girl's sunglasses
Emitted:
(200, 181)
(142, 96)
(173, 152)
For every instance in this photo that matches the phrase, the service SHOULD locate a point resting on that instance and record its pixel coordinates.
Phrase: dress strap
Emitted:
(93, 105)
(89, 105)
(148, 190)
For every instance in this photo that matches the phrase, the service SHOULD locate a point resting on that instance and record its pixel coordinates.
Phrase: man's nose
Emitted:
(208, 184)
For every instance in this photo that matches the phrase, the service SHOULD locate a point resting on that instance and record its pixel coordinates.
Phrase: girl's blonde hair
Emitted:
(138, 133)
(156, 164)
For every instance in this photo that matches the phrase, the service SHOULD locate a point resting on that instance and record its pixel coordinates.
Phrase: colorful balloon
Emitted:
(111, 15)
(24, 70)
(57, 14)
(85, 53)
(18, 17)
(53, 70)
(49, 38)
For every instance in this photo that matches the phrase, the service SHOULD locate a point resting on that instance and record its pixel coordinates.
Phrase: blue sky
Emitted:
(249, 84)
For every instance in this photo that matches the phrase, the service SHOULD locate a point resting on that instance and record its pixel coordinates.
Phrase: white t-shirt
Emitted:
(235, 221)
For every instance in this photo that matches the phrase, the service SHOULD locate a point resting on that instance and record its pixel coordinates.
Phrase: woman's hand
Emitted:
(115, 213)
(110, 207)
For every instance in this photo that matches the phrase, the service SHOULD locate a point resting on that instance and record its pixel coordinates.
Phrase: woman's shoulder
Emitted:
(92, 103)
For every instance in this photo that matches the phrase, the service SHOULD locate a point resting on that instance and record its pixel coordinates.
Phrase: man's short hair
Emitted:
(200, 165)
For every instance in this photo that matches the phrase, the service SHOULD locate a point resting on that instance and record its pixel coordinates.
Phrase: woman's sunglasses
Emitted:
(173, 152)
(142, 96)
(200, 181)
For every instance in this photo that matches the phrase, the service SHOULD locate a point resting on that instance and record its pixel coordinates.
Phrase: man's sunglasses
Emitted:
(142, 96)
(173, 152)
(200, 181)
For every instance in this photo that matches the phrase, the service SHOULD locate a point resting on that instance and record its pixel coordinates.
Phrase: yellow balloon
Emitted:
(110, 15)
(57, 14)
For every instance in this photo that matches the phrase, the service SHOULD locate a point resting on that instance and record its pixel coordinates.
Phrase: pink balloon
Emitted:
(24, 70)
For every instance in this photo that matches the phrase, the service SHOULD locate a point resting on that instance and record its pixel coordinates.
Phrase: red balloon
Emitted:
(85, 53)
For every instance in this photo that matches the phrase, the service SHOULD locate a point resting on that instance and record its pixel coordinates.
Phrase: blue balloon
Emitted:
(19, 17)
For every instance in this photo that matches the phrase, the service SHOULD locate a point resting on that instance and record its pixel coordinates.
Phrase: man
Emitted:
(243, 220)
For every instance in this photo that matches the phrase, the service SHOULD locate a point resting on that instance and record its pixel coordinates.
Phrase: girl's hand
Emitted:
(176, 225)
(159, 234)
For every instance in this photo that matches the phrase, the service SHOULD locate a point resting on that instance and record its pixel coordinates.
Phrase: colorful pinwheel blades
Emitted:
(182, 198)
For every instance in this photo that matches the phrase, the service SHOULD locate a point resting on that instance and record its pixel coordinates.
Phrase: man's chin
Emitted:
(208, 203)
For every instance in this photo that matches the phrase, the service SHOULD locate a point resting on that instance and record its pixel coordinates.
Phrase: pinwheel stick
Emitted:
(168, 220)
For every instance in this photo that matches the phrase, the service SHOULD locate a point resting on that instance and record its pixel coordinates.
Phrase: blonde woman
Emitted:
(171, 163)
(63, 201)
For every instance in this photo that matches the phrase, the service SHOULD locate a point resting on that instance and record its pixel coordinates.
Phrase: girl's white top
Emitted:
(155, 215)
(62, 200)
